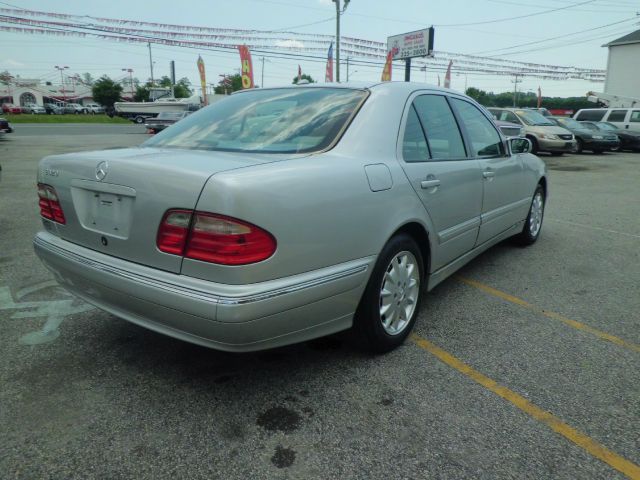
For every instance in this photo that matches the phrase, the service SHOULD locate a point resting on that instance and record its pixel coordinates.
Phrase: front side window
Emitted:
(285, 120)
(635, 116)
(592, 115)
(617, 116)
(485, 139)
(440, 127)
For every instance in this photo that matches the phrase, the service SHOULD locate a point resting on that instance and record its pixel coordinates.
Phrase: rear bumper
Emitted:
(225, 317)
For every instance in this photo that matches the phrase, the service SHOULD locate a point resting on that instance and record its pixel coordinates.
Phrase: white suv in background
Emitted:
(623, 118)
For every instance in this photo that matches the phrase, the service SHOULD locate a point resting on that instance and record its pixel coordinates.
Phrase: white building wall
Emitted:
(623, 71)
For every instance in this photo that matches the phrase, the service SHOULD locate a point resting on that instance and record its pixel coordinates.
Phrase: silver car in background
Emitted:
(545, 136)
(280, 215)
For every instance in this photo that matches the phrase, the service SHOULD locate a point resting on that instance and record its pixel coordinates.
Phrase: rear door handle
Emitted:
(430, 183)
(488, 174)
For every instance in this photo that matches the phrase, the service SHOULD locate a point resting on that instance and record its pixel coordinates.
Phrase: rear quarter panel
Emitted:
(320, 209)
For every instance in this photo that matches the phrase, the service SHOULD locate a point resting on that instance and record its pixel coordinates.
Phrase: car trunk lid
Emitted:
(114, 200)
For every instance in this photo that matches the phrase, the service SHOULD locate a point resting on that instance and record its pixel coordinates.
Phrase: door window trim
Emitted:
(403, 124)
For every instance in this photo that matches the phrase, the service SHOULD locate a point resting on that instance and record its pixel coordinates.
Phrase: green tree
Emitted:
(5, 77)
(87, 78)
(304, 76)
(106, 92)
(142, 93)
(229, 84)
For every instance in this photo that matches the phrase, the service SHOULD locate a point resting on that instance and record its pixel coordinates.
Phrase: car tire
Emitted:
(579, 146)
(534, 145)
(533, 224)
(139, 120)
(389, 306)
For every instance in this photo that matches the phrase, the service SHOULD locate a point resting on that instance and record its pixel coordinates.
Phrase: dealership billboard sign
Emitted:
(412, 44)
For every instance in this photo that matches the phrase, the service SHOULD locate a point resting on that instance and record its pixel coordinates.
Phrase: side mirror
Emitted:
(520, 145)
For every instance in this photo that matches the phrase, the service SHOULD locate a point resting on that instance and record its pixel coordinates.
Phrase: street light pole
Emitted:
(64, 92)
(130, 70)
(339, 12)
(150, 62)
(262, 75)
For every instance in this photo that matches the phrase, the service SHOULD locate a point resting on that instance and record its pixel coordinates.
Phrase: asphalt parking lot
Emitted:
(525, 365)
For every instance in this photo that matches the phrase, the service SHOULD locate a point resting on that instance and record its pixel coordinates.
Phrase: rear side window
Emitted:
(635, 116)
(617, 116)
(591, 115)
(510, 117)
(440, 127)
(414, 145)
(485, 139)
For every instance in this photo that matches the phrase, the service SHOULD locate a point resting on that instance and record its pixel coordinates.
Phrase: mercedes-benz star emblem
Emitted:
(101, 170)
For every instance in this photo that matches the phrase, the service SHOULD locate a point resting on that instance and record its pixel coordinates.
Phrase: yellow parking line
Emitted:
(592, 447)
(549, 314)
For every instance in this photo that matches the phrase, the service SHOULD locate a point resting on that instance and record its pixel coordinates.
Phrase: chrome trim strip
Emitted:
(189, 292)
(457, 230)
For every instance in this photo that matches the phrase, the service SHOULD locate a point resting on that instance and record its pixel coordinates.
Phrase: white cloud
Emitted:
(11, 63)
(289, 43)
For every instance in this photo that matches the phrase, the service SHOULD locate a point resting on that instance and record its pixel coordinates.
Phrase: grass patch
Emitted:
(67, 118)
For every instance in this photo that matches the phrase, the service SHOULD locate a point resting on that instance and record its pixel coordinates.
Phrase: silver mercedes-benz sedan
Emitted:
(280, 215)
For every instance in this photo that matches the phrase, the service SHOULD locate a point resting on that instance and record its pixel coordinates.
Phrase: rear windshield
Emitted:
(287, 120)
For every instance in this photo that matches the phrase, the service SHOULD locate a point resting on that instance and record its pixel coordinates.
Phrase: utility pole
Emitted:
(64, 92)
(347, 69)
(150, 63)
(130, 70)
(262, 75)
(339, 12)
(515, 88)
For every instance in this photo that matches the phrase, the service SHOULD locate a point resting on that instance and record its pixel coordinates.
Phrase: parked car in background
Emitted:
(629, 140)
(5, 126)
(53, 109)
(164, 120)
(545, 135)
(94, 108)
(33, 108)
(75, 108)
(542, 111)
(622, 118)
(587, 139)
(11, 108)
(509, 129)
(278, 215)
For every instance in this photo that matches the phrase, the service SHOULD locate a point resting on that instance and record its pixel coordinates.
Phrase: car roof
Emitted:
(397, 86)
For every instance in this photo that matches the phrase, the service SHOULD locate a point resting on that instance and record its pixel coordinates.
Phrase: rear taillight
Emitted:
(50, 204)
(173, 231)
(214, 238)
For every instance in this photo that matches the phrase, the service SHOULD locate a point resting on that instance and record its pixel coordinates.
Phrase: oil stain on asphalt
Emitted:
(279, 419)
(283, 457)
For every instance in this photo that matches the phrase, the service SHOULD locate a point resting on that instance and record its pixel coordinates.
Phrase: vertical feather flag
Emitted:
(539, 97)
(388, 67)
(247, 67)
(447, 77)
(203, 80)
(328, 76)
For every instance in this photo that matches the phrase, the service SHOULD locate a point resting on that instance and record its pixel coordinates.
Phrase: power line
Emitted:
(554, 38)
(516, 18)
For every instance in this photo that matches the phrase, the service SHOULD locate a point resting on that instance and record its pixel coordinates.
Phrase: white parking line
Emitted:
(594, 228)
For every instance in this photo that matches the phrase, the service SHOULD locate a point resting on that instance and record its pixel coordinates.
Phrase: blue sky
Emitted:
(35, 56)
